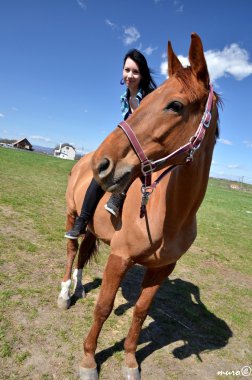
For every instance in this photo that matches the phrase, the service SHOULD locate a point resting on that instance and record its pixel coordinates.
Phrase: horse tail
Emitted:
(89, 249)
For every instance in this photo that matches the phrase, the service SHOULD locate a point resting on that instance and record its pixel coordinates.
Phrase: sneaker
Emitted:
(79, 228)
(115, 203)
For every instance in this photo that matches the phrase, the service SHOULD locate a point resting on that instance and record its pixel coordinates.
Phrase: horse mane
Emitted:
(184, 76)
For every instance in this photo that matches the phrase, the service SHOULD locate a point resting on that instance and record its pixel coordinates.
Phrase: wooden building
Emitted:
(22, 144)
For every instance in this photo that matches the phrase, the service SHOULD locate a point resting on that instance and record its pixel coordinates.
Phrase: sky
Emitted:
(61, 66)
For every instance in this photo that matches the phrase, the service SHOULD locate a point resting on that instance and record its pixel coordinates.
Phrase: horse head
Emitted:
(166, 119)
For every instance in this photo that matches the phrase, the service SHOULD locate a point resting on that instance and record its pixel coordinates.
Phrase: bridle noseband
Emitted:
(148, 166)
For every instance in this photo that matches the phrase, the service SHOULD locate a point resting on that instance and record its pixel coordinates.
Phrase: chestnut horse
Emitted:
(175, 127)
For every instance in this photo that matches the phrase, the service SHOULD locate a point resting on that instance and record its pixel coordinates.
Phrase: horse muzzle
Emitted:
(112, 178)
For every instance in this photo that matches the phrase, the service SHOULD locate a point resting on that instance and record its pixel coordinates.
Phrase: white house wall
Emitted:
(69, 152)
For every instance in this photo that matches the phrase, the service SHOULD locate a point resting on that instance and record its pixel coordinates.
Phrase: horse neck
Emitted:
(186, 189)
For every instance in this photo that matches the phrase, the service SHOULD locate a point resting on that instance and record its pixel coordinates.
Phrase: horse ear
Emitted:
(174, 63)
(197, 59)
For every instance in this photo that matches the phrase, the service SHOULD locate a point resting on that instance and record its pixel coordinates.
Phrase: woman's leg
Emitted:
(93, 195)
(115, 203)
(116, 200)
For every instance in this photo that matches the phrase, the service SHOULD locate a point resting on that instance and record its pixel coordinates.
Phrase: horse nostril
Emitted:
(103, 167)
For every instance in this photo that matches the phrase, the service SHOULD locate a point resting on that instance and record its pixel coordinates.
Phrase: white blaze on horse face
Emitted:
(131, 75)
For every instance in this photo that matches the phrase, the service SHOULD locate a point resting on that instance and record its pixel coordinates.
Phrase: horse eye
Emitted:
(174, 106)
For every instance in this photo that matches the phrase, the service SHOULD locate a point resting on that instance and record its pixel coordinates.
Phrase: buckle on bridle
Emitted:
(189, 158)
(206, 118)
(146, 168)
(147, 190)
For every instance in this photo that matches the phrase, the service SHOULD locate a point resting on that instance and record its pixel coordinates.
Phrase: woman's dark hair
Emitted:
(147, 83)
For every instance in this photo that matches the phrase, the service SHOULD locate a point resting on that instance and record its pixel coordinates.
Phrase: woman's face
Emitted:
(131, 75)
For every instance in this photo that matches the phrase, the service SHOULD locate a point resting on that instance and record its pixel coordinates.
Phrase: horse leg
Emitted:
(72, 248)
(87, 249)
(152, 280)
(78, 288)
(115, 270)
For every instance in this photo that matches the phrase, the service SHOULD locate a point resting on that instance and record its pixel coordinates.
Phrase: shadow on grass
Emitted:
(88, 288)
(93, 285)
(178, 315)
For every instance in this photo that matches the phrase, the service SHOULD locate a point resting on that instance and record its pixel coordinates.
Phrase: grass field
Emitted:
(198, 325)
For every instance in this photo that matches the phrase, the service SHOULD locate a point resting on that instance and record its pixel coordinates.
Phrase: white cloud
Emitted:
(131, 34)
(40, 138)
(179, 7)
(232, 60)
(164, 68)
(183, 60)
(233, 166)
(110, 24)
(1, 114)
(248, 143)
(149, 50)
(225, 142)
(82, 4)
(140, 47)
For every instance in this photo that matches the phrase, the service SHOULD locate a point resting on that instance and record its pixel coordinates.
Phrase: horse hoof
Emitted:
(131, 373)
(88, 373)
(63, 304)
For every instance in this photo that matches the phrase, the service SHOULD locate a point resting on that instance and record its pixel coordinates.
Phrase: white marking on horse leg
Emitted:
(131, 373)
(88, 373)
(64, 296)
(65, 289)
(79, 291)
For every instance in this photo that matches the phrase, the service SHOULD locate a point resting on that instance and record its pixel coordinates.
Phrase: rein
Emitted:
(148, 166)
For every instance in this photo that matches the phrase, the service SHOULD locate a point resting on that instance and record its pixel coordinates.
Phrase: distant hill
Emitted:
(43, 149)
(50, 151)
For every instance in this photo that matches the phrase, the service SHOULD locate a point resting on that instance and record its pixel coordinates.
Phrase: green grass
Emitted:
(210, 289)
(225, 226)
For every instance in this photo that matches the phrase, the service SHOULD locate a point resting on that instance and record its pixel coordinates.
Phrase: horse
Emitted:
(168, 141)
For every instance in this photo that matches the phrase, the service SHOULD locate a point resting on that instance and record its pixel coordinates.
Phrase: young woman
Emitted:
(139, 82)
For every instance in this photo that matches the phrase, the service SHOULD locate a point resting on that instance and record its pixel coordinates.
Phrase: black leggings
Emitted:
(93, 195)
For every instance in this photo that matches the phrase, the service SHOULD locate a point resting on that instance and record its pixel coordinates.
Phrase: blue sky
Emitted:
(61, 65)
